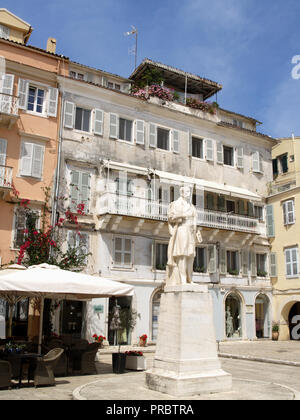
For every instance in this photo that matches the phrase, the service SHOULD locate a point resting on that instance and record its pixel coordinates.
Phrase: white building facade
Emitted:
(125, 159)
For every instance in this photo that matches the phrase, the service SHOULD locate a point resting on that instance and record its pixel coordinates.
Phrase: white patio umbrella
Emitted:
(46, 281)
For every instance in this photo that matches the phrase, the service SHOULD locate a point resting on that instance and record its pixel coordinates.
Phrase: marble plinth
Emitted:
(186, 360)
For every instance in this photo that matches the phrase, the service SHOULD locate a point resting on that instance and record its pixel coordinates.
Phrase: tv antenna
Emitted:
(133, 50)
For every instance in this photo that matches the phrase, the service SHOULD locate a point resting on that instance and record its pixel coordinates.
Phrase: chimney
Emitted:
(51, 45)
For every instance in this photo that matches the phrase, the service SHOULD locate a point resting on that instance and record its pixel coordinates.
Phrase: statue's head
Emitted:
(185, 192)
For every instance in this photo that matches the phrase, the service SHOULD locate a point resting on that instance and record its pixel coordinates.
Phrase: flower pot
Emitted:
(135, 363)
(143, 343)
(275, 336)
(119, 362)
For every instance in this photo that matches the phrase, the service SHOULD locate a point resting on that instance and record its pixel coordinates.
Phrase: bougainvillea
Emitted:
(210, 107)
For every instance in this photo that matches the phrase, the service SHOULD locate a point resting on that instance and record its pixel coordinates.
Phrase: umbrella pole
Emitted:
(11, 311)
(41, 325)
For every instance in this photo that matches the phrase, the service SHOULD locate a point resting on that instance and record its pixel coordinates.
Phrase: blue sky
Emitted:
(246, 45)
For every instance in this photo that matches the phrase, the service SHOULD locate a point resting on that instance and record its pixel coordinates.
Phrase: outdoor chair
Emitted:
(88, 366)
(5, 374)
(43, 373)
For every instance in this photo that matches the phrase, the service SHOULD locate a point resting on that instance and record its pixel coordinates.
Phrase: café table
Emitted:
(22, 359)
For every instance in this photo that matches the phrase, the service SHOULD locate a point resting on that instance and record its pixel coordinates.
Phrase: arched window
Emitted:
(233, 316)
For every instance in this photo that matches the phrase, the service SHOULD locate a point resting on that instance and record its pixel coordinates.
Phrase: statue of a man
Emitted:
(182, 218)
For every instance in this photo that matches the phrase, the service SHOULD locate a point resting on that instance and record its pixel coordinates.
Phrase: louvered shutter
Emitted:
(83, 244)
(190, 144)
(3, 148)
(84, 188)
(7, 90)
(212, 260)
(52, 102)
(23, 89)
(26, 159)
(270, 221)
(20, 226)
(221, 203)
(240, 158)
(114, 126)
(69, 114)
(175, 137)
(245, 259)
(4, 31)
(71, 239)
(209, 150)
(241, 207)
(152, 135)
(37, 161)
(140, 132)
(250, 209)
(253, 264)
(220, 153)
(74, 196)
(273, 264)
(256, 162)
(98, 122)
(223, 262)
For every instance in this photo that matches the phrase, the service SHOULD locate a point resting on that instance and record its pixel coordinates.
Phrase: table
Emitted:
(23, 358)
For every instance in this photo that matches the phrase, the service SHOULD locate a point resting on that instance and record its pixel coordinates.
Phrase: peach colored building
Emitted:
(29, 128)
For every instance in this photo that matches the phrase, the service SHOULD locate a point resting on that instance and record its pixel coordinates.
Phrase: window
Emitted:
(82, 119)
(228, 156)
(80, 241)
(257, 162)
(117, 86)
(292, 262)
(230, 206)
(24, 219)
(161, 256)
(258, 213)
(4, 32)
(125, 130)
(32, 159)
(123, 252)
(238, 123)
(80, 190)
(261, 265)
(288, 212)
(76, 75)
(200, 262)
(233, 262)
(197, 148)
(36, 100)
(163, 138)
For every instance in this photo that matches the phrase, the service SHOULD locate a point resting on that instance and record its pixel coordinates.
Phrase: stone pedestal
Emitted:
(186, 362)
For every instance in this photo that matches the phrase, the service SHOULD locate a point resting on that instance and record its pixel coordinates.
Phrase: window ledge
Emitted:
(37, 114)
(114, 268)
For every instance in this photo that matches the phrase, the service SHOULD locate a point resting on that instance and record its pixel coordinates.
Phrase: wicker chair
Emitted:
(43, 373)
(5, 374)
(88, 366)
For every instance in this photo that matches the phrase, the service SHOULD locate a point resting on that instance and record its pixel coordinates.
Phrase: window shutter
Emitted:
(4, 31)
(212, 260)
(221, 203)
(250, 209)
(37, 161)
(245, 256)
(26, 158)
(288, 212)
(241, 207)
(220, 154)
(152, 135)
(253, 264)
(209, 150)
(175, 135)
(7, 88)
(23, 89)
(223, 262)
(104, 82)
(98, 122)
(270, 221)
(190, 144)
(69, 114)
(3, 148)
(153, 255)
(140, 132)
(53, 101)
(83, 243)
(74, 196)
(200, 198)
(114, 126)
(240, 158)
(84, 190)
(285, 213)
(210, 202)
(256, 162)
(275, 167)
(273, 264)
(71, 239)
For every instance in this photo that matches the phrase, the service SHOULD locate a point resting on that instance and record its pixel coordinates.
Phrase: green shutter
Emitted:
(270, 221)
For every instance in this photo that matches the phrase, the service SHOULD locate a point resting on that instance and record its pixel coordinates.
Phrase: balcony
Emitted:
(8, 110)
(6, 173)
(123, 205)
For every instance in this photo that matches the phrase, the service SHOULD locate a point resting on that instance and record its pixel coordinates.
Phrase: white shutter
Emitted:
(98, 122)
(273, 264)
(84, 188)
(7, 89)
(285, 213)
(140, 132)
(69, 114)
(83, 246)
(104, 81)
(212, 260)
(209, 149)
(152, 135)
(4, 31)
(74, 193)
(114, 126)
(37, 161)
(3, 148)
(256, 162)
(190, 144)
(240, 158)
(71, 239)
(223, 262)
(26, 159)
(23, 89)
(53, 101)
(175, 136)
(220, 153)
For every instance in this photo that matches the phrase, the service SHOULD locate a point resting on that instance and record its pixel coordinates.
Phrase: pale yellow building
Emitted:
(14, 28)
(283, 212)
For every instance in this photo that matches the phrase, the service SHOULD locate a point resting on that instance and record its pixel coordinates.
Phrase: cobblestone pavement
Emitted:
(251, 380)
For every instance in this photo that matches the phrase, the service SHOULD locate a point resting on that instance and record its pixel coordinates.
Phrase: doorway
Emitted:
(262, 321)
(233, 316)
(293, 322)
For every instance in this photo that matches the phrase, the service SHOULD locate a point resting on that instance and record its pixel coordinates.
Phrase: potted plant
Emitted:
(143, 340)
(99, 339)
(275, 331)
(135, 360)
